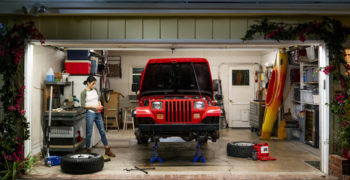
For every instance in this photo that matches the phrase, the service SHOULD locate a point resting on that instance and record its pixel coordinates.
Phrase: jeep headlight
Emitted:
(157, 105)
(198, 105)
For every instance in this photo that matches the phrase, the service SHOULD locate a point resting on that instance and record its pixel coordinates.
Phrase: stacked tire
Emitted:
(82, 163)
(240, 149)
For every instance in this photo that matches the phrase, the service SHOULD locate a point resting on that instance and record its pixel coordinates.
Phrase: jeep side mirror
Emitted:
(135, 87)
(218, 97)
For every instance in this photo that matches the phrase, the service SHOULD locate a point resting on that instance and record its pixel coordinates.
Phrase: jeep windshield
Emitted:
(176, 78)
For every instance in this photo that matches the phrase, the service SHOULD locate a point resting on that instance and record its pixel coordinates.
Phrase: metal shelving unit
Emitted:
(63, 135)
(307, 126)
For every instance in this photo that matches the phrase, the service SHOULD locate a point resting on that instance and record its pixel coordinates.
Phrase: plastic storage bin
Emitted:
(306, 96)
(311, 75)
(78, 54)
(78, 67)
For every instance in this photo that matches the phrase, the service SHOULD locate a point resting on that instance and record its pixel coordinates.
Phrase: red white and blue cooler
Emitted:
(78, 66)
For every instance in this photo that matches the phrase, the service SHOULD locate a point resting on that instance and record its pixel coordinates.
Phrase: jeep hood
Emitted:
(176, 77)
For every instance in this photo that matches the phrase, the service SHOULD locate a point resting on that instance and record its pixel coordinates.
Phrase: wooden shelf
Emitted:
(310, 82)
(308, 64)
(58, 83)
(66, 148)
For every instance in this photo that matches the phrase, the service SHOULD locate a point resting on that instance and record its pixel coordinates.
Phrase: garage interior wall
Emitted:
(43, 59)
(219, 60)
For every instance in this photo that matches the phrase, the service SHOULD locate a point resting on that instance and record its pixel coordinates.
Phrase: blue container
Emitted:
(53, 160)
(78, 54)
(50, 78)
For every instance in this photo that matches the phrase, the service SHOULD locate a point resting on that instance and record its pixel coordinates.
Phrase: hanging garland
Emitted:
(14, 126)
(334, 34)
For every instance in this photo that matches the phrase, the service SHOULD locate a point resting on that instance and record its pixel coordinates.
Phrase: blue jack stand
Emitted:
(155, 154)
(199, 154)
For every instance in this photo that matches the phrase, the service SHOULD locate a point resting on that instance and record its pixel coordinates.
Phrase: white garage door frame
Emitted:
(192, 44)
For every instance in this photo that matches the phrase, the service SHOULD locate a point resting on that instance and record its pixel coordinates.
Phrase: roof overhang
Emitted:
(175, 7)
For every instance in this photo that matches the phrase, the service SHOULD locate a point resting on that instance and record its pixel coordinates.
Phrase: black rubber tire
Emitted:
(240, 149)
(86, 163)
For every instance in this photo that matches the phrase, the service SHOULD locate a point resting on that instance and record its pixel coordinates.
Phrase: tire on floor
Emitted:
(240, 149)
(82, 163)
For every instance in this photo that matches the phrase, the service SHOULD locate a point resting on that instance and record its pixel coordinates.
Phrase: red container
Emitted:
(78, 67)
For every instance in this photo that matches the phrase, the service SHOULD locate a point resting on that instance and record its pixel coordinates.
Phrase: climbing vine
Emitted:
(334, 34)
(14, 128)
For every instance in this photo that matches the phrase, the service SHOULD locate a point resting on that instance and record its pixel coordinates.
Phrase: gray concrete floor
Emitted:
(177, 156)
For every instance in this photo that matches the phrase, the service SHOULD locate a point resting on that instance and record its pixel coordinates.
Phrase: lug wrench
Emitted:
(140, 169)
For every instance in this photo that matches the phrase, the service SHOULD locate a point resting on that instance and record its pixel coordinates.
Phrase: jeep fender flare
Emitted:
(144, 112)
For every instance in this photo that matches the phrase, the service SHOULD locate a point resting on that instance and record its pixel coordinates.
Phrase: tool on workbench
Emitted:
(140, 169)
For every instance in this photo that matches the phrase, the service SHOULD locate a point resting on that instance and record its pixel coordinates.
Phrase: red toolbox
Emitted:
(78, 67)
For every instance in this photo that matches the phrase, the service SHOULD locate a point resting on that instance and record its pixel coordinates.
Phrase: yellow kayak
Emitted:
(274, 94)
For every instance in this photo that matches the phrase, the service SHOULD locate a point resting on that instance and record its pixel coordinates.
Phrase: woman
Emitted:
(90, 101)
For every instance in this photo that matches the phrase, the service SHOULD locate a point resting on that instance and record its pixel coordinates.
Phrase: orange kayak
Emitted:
(274, 94)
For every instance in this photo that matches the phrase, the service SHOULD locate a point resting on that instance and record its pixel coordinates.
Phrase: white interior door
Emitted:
(241, 92)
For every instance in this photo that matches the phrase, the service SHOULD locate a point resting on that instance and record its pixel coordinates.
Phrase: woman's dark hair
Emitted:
(89, 80)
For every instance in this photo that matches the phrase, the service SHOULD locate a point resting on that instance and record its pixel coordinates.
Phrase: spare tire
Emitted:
(240, 149)
(82, 163)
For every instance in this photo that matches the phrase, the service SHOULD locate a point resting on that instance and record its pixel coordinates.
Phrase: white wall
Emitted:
(269, 58)
(219, 61)
(44, 58)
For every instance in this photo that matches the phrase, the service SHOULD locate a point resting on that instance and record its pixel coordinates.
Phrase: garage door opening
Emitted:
(244, 71)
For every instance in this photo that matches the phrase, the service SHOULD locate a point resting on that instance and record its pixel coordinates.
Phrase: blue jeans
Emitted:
(90, 119)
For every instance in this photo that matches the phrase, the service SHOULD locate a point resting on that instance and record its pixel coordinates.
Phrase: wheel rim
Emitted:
(81, 156)
(245, 144)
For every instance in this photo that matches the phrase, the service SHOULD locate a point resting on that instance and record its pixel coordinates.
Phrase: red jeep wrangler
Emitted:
(176, 99)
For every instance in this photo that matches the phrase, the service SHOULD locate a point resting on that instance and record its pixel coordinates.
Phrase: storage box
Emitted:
(306, 96)
(78, 54)
(311, 74)
(316, 99)
(78, 67)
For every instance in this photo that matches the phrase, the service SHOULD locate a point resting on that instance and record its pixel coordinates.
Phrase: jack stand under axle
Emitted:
(155, 154)
(199, 154)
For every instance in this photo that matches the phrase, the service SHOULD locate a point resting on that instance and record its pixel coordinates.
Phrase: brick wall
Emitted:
(339, 167)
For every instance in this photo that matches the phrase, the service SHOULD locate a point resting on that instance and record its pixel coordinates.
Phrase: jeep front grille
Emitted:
(178, 111)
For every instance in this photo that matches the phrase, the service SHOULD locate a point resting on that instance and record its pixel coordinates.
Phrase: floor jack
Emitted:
(199, 154)
(155, 154)
(261, 152)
